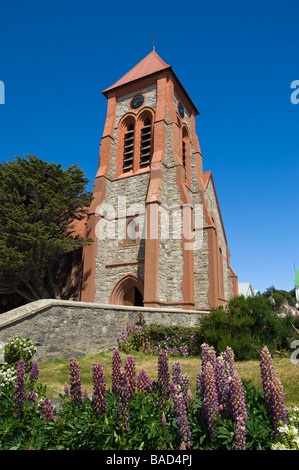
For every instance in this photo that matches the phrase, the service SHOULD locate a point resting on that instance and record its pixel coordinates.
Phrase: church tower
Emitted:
(159, 239)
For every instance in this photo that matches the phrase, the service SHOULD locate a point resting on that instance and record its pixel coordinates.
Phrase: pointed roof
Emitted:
(150, 65)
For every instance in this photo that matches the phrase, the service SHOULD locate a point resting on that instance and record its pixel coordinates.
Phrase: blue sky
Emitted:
(236, 59)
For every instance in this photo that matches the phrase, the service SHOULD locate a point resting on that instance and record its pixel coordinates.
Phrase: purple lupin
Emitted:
(116, 370)
(99, 389)
(75, 388)
(19, 386)
(210, 402)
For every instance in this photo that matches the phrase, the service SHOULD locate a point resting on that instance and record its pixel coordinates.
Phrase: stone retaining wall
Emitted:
(65, 329)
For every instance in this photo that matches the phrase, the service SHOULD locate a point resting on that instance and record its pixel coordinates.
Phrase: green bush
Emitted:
(247, 325)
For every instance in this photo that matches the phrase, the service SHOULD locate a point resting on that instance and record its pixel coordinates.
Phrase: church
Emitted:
(158, 235)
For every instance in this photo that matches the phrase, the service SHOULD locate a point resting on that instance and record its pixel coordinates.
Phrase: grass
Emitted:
(55, 374)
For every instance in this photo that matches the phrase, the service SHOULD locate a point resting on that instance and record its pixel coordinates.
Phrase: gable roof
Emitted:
(150, 65)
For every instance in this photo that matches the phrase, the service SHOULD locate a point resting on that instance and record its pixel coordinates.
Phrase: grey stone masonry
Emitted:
(65, 329)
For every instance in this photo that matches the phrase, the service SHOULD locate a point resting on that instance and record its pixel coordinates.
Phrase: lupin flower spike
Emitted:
(99, 390)
(19, 386)
(75, 389)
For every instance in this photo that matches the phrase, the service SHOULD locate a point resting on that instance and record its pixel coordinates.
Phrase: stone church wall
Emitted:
(65, 329)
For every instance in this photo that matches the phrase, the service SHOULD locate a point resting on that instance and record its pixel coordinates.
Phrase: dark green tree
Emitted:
(39, 202)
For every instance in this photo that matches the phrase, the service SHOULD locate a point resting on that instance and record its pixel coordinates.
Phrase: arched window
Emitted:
(128, 154)
(145, 143)
(132, 232)
(221, 280)
(184, 147)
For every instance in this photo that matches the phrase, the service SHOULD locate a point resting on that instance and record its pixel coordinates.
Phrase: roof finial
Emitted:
(153, 42)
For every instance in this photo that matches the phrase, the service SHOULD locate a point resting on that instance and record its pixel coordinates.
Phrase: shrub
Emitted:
(246, 325)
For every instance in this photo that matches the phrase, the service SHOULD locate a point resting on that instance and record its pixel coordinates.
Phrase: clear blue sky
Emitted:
(236, 59)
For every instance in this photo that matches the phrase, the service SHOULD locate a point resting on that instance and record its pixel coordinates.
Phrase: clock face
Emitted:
(137, 101)
(181, 109)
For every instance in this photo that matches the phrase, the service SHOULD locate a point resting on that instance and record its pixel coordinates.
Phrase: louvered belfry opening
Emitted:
(145, 143)
(128, 148)
(184, 147)
(184, 154)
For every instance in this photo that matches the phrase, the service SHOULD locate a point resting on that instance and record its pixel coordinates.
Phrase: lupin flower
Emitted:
(47, 410)
(273, 391)
(75, 389)
(66, 389)
(210, 403)
(238, 405)
(19, 386)
(185, 385)
(239, 412)
(268, 376)
(176, 373)
(31, 396)
(229, 360)
(163, 421)
(123, 403)
(99, 390)
(279, 410)
(116, 370)
(163, 378)
(208, 354)
(142, 382)
(240, 434)
(180, 410)
(222, 384)
(34, 373)
(130, 370)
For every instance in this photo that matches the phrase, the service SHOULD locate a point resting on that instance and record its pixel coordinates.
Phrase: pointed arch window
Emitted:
(145, 143)
(221, 279)
(128, 154)
(184, 147)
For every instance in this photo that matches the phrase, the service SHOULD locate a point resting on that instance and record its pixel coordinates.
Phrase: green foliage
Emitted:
(280, 297)
(38, 202)
(77, 427)
(289, 433)
(247, 325)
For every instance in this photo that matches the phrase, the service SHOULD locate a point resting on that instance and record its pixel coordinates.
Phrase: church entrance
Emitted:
(128, 291)
(133, 297)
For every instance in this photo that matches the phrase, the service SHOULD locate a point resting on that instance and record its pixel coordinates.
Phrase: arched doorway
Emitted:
(127, 291)
(133, 297)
